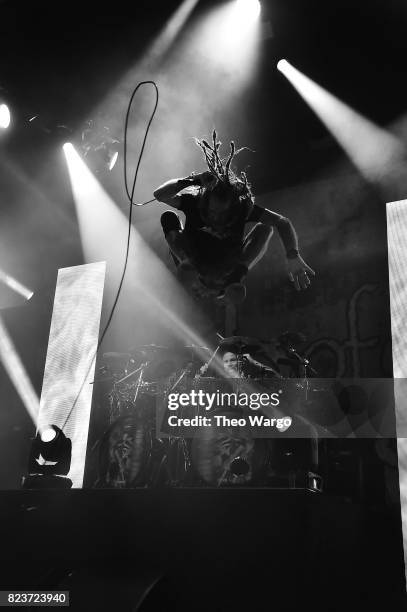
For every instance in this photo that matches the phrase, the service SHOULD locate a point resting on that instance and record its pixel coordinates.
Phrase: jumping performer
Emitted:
(212, 253)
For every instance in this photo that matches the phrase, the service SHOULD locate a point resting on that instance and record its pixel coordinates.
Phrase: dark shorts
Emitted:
(213, 258)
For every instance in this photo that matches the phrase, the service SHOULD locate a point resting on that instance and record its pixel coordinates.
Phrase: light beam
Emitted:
(17, 373)
(15, 285)
(374, 151)
(149, 289)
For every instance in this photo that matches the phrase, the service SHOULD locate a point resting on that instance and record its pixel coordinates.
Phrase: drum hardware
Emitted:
(206, 365)
(130, 374)
(186, 370)
(195, 359)
(241, 344)
(239, 466)
(123, 359)
(196, 347)
(264, 370)
(150, 388)
(236, 467)
(122, 453)
(177, 461)
(123, 397)
(146, 348)
(288, 342)
(305, 366)
(229, 458)
(130, 455)
(303, 361)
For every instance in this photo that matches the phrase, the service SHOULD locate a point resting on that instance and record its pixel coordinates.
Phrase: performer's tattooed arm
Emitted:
(297, 269)
(168, 192)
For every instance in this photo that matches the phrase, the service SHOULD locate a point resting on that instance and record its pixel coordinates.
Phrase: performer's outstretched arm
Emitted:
(297, 269)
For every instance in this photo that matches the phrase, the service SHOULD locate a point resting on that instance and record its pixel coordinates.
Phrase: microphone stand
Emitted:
(302, 361)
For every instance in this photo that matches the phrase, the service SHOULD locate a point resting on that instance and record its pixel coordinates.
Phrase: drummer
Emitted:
(238, 366)
(236, 361)
(231, 365)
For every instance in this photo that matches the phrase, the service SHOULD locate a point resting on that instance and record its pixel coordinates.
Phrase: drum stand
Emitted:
(176, 460)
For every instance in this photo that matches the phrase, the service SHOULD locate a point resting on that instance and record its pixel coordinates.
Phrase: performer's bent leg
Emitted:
(256, 244)
(254, 247)
(177, 242)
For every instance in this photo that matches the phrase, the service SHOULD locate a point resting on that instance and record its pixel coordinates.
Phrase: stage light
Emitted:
(5, 116)
(112, 157)
(105, 156)
(99, 147)
(50, 460)
(66, 394)
(56, 133)
(248, 10)
(50, 452)
(16, 286)
(282, 65)
(240, 19)
(48, 434)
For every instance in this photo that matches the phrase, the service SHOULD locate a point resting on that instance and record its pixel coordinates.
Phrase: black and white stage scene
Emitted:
(203, 305)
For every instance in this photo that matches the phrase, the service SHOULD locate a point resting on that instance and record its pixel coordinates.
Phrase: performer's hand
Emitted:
(298, 272)
(206, 179)
(203, 369)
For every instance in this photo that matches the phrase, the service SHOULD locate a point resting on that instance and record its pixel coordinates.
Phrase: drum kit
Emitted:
(133, 453)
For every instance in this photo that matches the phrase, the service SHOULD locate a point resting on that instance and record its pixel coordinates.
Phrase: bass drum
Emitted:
(124, 453)
(229, 455)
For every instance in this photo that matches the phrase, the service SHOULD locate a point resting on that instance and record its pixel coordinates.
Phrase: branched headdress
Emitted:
(221, 169)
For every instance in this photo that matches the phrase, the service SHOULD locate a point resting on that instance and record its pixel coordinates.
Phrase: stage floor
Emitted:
(202, 549)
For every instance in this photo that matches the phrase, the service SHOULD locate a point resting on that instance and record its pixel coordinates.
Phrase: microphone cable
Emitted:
(130, 196)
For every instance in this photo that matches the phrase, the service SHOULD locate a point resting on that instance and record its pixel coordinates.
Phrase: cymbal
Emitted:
(196, 346)
(241, 344)
(148, 347)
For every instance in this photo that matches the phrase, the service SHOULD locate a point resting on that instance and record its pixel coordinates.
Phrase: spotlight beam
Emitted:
(150, 61)
(148, 280)
(15, 285)
(169, 33)
(373, 150)
(17, 373)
